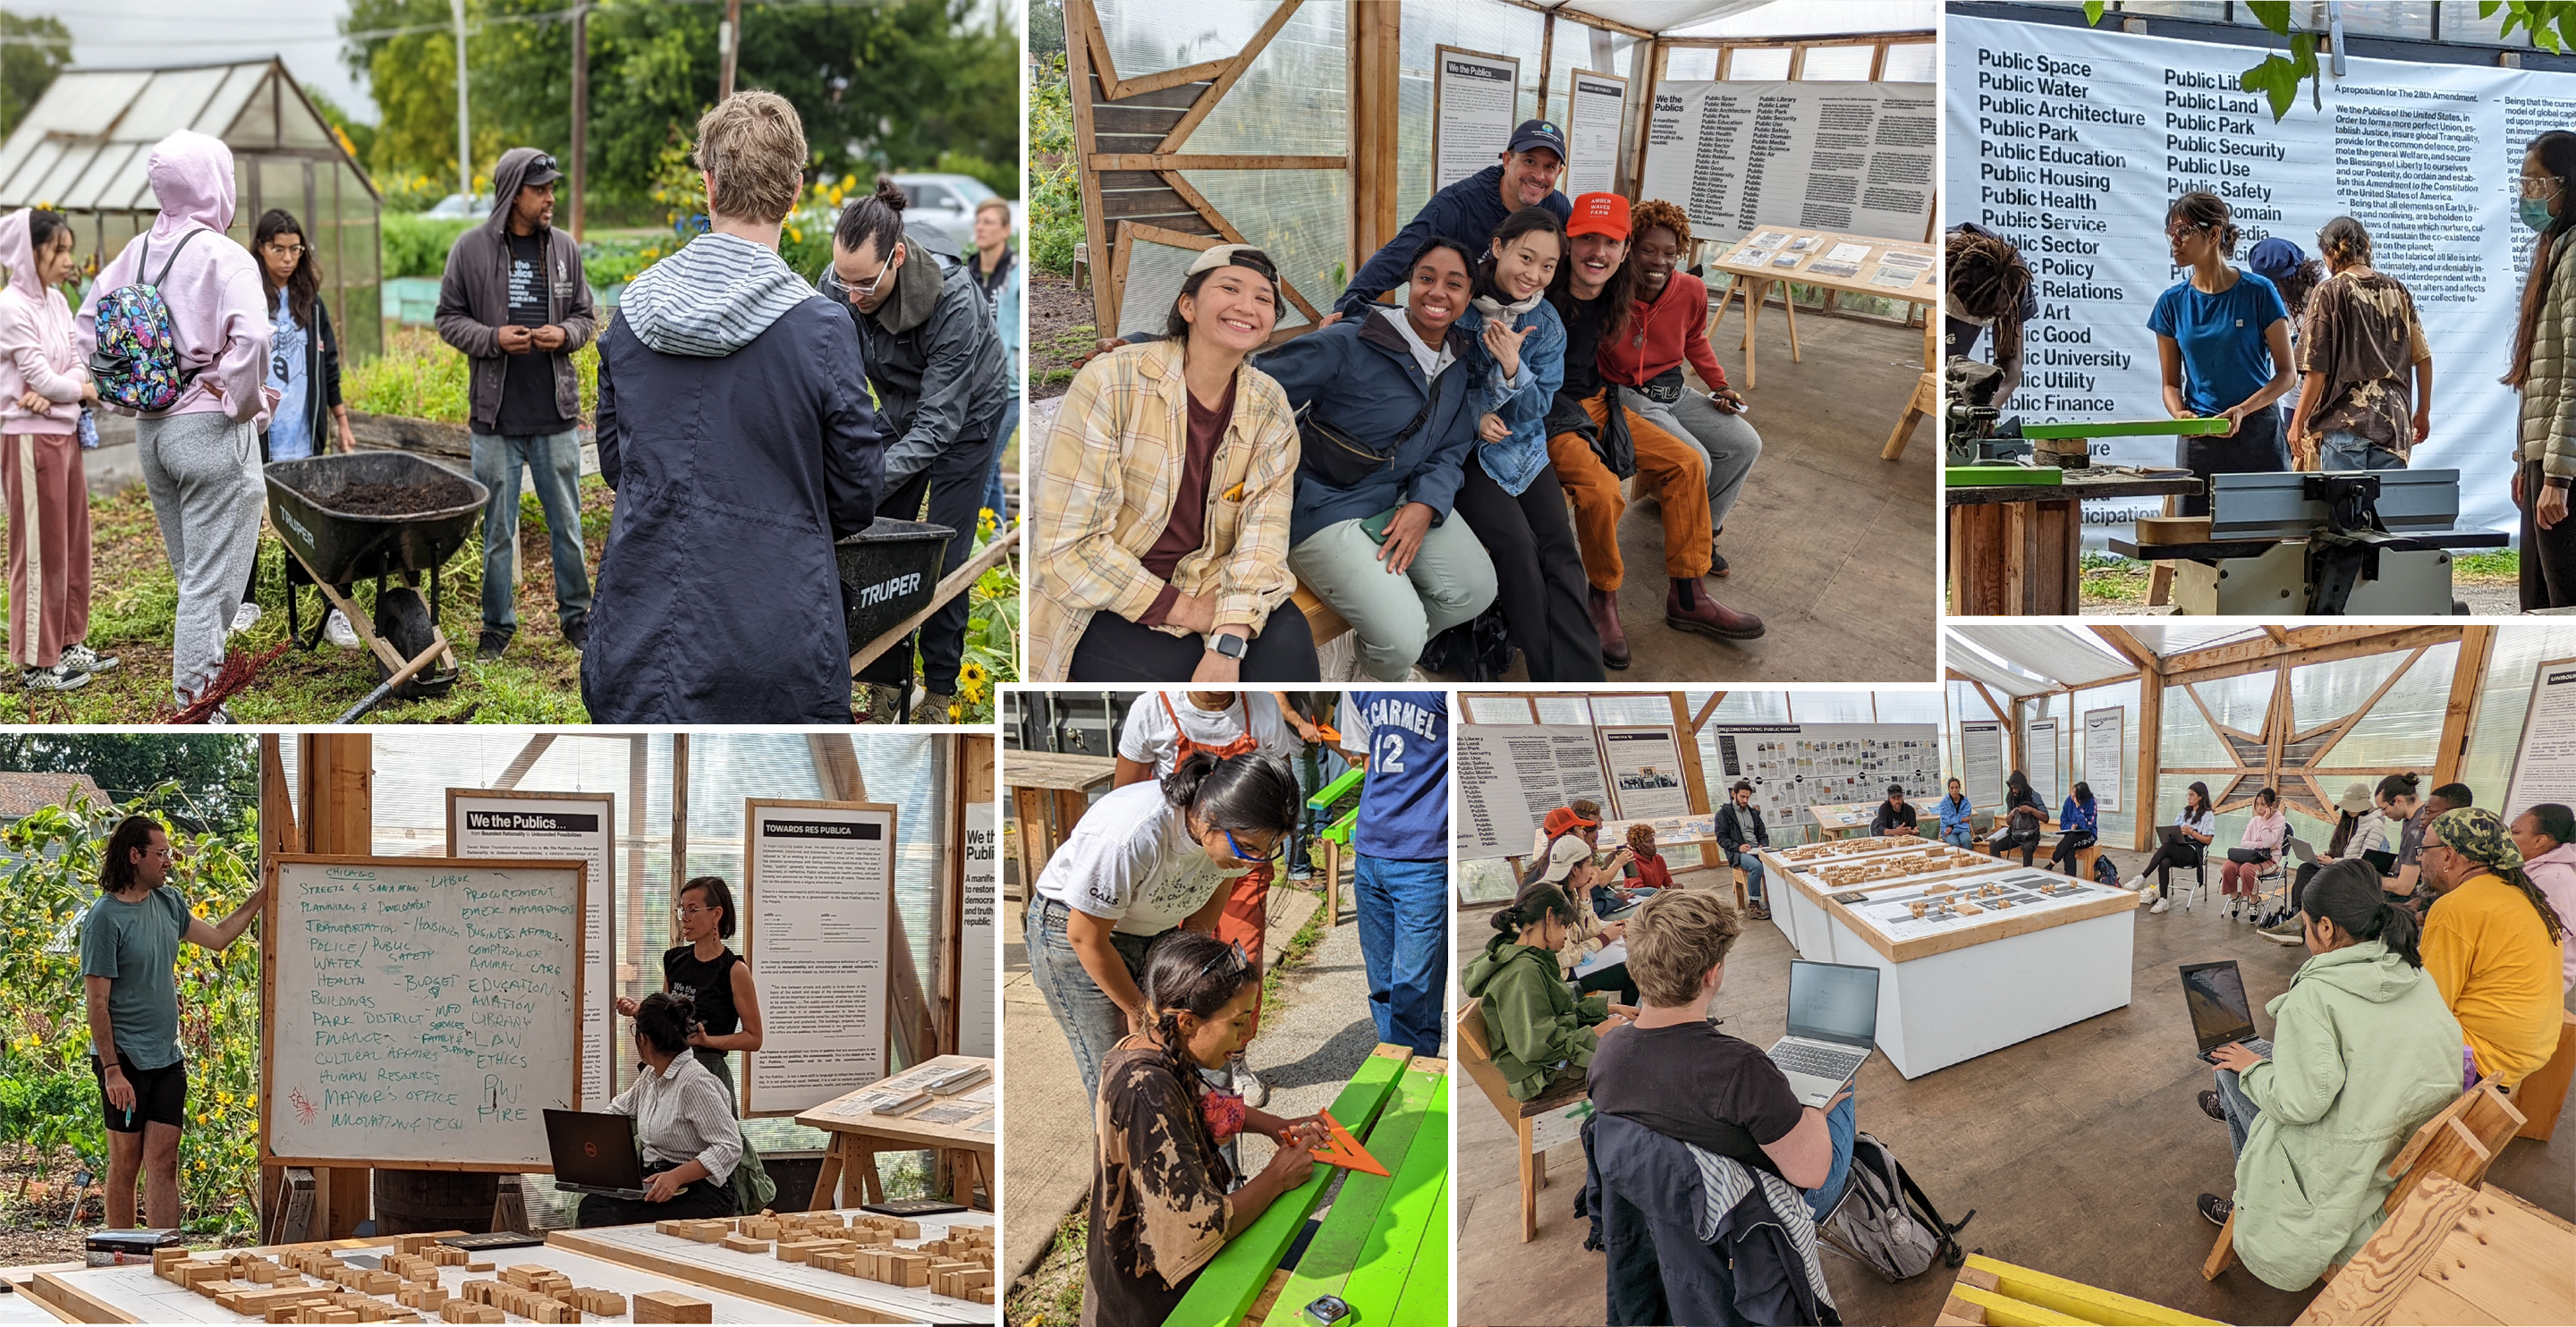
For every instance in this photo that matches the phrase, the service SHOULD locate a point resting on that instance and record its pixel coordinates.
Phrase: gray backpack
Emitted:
(1886, 1220)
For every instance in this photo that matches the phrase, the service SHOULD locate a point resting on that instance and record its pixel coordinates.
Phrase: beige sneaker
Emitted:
(932, 709)
(885, 703)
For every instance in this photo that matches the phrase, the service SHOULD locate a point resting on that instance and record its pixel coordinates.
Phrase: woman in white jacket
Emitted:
(42, 385)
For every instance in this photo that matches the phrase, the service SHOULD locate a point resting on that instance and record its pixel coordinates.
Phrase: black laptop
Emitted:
(2220, 1012)
(594, 1152)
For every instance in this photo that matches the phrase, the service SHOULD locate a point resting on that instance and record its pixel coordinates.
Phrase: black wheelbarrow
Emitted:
(329, 548)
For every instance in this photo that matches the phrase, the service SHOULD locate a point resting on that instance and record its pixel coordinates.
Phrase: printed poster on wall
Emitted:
(582, 827)
(1981, 754)
(1645, 772)
(1508, 776)
(1596, 106)
(2070, 143)
(1475, 103)
(2105, 731)
(977, 976)
(1857, 158)
(818, 913)
(2544, 764)
(1793, 766)
(2039, 747)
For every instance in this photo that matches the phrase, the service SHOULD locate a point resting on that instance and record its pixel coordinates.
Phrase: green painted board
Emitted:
(1233, 1279)
(1341, 831)
(1336, 790)
(2126, 428)
(1426, 1296)
(1407, 1230)
(1976, 476)
(1344, 1233)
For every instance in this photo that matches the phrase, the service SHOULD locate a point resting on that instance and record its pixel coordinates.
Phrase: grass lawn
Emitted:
(2111, 579)
(134, 599)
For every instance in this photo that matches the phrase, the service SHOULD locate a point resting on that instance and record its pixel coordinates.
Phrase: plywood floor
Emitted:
(2080, 1151)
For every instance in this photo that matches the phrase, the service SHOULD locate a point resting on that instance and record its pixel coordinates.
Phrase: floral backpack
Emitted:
(136, 364)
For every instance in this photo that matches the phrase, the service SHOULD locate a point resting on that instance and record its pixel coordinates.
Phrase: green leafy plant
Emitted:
(417, 245)
(1055, 187)
(422, 377)
(2551, 23)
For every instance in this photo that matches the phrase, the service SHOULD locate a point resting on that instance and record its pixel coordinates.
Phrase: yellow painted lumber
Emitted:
(2079, 1302)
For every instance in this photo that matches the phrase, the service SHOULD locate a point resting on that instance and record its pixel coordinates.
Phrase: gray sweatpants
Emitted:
(1727, 442)
(203, 473)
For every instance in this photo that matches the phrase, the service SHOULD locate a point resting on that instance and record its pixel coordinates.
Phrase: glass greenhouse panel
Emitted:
(2405, 727)
(1489, 26)
(1302, 218)
(1151, 36)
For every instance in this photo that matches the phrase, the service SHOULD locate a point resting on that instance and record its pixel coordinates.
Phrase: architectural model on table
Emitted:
(1837, 848)
(1910, 911)
(935, 1269)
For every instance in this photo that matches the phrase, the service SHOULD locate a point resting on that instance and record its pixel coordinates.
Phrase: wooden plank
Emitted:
(2428, 1303)
(2151, 735)
(1156, 204)
(2511, 1267)
(1227, 1286)
(1405, 1232)
(2402, 1248)
(1347, 1229)
(1426, 1295)
(2119, 639)
(2004, 1311)
(1100, 161)
(1169, 78)
(2086, 1303)
(2468, 679)
(1064, 770)
(1124, 118)
(1082, 27)
(2309, 645)
(1228, 76)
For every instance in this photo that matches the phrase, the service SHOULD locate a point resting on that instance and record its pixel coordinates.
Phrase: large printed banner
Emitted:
(1849, 157)
(2070, 142)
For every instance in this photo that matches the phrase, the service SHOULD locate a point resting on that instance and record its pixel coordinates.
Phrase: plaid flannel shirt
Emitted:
(1105, 488)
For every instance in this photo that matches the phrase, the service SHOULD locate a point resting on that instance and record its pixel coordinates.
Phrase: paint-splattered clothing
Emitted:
(1158, 1192)
(2363, 335)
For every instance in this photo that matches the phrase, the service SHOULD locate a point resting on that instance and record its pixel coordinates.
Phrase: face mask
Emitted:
(2535, 213)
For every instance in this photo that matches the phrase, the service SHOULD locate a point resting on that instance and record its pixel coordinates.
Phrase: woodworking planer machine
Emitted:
(2322, 545)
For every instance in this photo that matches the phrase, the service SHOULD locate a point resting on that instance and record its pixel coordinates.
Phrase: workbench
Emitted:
(2455, 1255)
(959, 1127)
(1384, 1246)
(1844, 819)
(1756, 279)
(828, 1295)
(1049, 792)
(2016, 550)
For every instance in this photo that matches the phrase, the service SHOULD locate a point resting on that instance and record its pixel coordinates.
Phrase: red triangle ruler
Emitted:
(1344, 1150)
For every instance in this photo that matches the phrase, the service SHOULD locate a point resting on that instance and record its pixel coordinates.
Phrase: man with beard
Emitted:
(1469, 211)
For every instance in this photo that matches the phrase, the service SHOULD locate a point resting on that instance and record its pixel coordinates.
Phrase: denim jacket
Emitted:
(1515, 462)
(1954, 811)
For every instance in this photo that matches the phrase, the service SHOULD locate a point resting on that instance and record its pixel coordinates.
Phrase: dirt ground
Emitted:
(1060, 332)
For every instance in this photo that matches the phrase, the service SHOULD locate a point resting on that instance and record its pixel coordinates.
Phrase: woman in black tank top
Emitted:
(720, 987)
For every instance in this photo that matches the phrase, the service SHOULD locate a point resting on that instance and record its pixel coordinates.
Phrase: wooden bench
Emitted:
(1476, 1053)
(1321, 620)
(1411, 1199)
(1992, 1293)
(2543, 1096)
(2084, 856)
(1336, 837)
(2456, 1253)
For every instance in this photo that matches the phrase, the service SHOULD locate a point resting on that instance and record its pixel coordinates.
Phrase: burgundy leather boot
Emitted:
(1687, 607)
(1605, 621)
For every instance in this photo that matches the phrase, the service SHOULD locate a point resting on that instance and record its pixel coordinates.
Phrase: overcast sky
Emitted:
(112, 33)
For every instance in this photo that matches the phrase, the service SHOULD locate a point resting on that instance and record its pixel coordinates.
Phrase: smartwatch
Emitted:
(1226, 643)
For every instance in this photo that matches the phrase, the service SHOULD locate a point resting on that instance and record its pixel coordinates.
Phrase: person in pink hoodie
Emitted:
(200, 457)
(42, 385)
(2547, 836)
(2241, 878)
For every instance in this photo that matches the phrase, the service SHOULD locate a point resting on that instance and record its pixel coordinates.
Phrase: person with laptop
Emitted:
(2408, 817)
(2360, 830)
(726, 999)
(1739, 831)
(2492, 943)
(2184, 841)
(1540, 1029)
(1675, 1073)
(1895, 818)
(2363, 1053)
(684, 1127)
(2079, 820)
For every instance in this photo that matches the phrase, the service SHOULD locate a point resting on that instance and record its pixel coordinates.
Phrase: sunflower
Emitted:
(972, 674)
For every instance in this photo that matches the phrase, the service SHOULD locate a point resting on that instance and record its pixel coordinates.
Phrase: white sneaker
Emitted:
(336, 629)
(244, 618)
(83, 659)
(2160, 906)
(1255, 1093)
(2137, 883)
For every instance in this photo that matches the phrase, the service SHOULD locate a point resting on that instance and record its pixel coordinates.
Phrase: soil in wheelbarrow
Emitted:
(369, 499)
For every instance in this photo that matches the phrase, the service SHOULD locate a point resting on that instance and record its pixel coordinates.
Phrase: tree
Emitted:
(217, 777)
(36, 50)
(359, 139)
(1046, 27)
(884, 85)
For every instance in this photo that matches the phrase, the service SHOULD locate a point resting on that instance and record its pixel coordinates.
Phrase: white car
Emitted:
(947, 203)
(468, 206)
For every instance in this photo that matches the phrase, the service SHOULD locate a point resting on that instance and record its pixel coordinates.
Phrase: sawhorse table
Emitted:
(1336, 837)
(1049, 792)
(963, 1148)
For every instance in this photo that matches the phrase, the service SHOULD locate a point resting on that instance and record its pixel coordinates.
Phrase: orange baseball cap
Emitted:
(1563, 820)
(1599, 214)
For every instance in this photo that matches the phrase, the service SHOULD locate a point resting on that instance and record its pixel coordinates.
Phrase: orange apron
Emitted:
(1246, 920)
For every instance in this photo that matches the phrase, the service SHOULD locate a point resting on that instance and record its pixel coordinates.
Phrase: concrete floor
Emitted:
(2080, 1151)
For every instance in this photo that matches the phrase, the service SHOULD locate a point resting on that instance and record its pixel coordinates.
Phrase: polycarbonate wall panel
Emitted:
(1489, 26)
(1293, 101)
(2405, 727)
(1300, 217)
(2323, 693)
(2519, 652)
(1759, 64)
(2118, 829)
(1150, 36)
(1911, 62)
(1831, 707)
(1690, 64)
(1838, 64)
(1154, 276)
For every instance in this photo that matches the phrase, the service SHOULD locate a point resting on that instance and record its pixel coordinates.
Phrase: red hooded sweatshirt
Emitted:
(1662, 334)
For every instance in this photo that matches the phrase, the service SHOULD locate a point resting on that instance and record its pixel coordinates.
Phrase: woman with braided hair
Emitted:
(2361, 342)
(1164, 1201)
(1986, 284)
(2223, 335)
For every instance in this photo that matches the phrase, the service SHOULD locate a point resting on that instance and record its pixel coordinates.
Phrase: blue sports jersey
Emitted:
(1404, 805)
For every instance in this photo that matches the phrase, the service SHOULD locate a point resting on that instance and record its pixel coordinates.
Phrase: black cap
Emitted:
(1539, 133)
(542, 170)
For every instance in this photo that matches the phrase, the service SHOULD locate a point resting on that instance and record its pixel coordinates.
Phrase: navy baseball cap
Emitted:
(2275, 258)
(1539, 133)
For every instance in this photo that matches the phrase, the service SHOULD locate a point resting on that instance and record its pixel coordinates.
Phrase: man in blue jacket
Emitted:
(1402, 842)
(1470, 211)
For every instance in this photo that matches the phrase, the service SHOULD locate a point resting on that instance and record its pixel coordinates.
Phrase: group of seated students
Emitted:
(2022, 823)
(1193, 481)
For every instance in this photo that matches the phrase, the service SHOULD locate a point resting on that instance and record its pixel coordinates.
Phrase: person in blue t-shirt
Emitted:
(1402, 843)
(2224, 336)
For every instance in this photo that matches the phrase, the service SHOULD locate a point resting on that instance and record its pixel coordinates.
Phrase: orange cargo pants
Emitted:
(1670, 467)
(1246, 921)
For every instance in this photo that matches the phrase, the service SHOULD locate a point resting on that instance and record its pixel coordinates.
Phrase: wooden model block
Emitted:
(844, 1263)
(457, 1310)
(473, 1266)
(913, 1269)
(605, 1303)
(981, 1295)
(1918, 906)
(2048, 887)
(745, 1244)
(425, 1298)
(165, 1259)
(1969, 909)
(671, 1306)
(798, 1250)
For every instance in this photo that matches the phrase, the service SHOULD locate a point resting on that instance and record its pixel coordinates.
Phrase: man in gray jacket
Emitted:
(941, 383)
(515, 301)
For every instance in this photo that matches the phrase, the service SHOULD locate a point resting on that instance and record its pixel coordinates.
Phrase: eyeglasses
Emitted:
(2541, 186)
(287, 250)
(868, 288)
(687, 911)
(1236, 847)
(1234, 950)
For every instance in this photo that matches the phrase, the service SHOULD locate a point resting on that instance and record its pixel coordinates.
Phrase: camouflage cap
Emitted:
(2477, 835)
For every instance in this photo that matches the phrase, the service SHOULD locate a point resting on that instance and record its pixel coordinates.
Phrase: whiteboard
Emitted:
(2039, 747)
(1793, 766)
(2544, 762)
(1475, 104)
(1851, 157)
(2105, 733)
(818, 925)
(504, 822)
(1981, 757)
(1596, 105)
(1508, 776)
(419, 1011)
(977, 977)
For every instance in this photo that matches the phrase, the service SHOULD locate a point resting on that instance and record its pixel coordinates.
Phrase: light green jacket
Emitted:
(1531, 1015)
(2546, 429)
(2363, 1053)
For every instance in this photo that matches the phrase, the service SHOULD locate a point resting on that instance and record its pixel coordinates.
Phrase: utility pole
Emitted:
(580, 107)
(464, 136)
(728, 43)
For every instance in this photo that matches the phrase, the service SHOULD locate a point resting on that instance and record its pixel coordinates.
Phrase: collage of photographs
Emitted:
(1306, 880)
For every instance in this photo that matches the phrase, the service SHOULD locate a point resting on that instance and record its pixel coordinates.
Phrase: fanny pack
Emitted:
(1339, 460)
(1665, 388)
(2247, 856)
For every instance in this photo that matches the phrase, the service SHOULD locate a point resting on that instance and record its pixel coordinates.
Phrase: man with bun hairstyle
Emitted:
(1596, 439)
(942, 384)
(1469, 211)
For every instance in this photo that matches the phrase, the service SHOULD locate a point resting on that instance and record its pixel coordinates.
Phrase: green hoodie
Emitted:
(1531, 1015)
(2363, 1053)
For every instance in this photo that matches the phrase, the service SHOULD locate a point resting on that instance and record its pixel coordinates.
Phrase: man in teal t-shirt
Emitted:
(129, 962)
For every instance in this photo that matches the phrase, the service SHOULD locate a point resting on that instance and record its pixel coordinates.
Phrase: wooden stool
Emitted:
(1321, 620)
(1476, 1052)
(2542, 1096)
